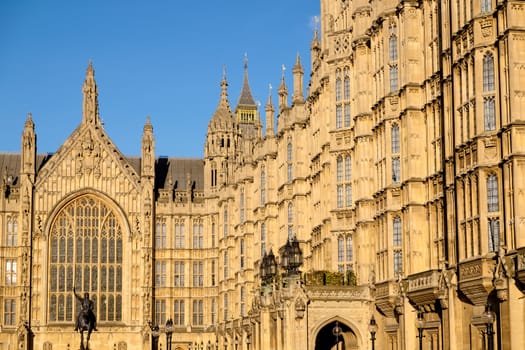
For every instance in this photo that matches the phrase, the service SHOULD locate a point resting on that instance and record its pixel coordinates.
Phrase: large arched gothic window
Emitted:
(85, 244)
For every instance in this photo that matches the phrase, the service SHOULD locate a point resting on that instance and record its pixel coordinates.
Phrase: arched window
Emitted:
(338, 85)
(492, 193)
(289, 158)
(488, 72)
(397, 243)
(339, 172)
(348, 168)
(243, 302)
(338, 90)
(12, 232)
(85, 252)
(225, 222)
(486, 6)
(290, 221)
(340, 249)
(263, 239)
(225, 265)
(263, 185)
(346, 87)
(394, 83)
(180, 236)
(392, 44)
(241, 205)
(397, 236)
(489, 113)
(241, 254)
(395, 138)
(339, 116)
(225, 307)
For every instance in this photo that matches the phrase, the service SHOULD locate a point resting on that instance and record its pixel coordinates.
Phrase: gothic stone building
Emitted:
(384, 207)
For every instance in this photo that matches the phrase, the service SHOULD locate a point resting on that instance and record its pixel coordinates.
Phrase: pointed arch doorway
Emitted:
(336, 336)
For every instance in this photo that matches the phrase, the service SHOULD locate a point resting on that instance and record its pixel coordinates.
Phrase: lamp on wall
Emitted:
(291, 256)
(372, 328)
(489, 317)
(248, 341)
(337, 332)
(155, 334)
(268, 268)
(420, 324)
(169, 333)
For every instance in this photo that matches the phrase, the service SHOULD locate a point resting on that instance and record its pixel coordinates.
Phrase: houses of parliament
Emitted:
(377, 204)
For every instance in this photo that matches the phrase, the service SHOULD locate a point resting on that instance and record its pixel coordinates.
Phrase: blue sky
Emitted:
(151, 58)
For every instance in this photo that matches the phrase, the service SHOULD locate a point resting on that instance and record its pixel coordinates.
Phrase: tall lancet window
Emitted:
(493, 225)
(393, 58)
(488, 72)
(489, 100)
(241, 205)
(85, 244)
(290, 221)
(263, 185)
(289, 159)
(397, 244)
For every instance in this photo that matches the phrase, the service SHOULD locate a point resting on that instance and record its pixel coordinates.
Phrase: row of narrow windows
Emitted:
(179, 315)
(86, 251)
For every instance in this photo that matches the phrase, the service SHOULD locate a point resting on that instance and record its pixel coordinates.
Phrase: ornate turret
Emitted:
(221, 140)
(90, 101)
(247, 117)
(298, 72)
(315, 47)
(270, 110)
(148, 150)
(246, 110)
(29, 148)
(283, 93)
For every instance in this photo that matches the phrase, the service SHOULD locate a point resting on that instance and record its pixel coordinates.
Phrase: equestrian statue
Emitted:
(86, 319)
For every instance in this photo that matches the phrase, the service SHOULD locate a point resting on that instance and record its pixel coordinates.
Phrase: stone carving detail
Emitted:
(88, 156)
(486, 27)
(470, 270)
(342, 44)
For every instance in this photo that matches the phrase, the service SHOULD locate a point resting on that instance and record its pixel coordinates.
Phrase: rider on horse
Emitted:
(87, 309)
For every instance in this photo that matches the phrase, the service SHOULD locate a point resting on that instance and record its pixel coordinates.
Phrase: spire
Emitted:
(223, 109)
(283, 92)
(148, 149)
(29, 124)
(29, 146)
(315, 41)
(90, 101)
(269, 109)
(298, 72)
(246, 98)
(315, 48)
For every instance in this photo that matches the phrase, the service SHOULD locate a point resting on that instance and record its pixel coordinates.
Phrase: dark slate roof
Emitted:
(246, 98)
(177, 169)
(166, 168)
(10, 165)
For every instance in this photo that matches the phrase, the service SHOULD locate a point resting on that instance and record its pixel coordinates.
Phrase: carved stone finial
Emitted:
(90, 100)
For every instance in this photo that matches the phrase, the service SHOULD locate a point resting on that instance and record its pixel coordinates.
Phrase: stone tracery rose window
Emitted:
(85, 245)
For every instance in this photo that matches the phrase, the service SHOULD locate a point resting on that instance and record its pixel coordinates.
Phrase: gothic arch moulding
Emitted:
(353, 338)
(108, 201)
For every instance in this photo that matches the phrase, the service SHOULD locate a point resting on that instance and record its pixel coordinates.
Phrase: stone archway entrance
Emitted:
(326, 340)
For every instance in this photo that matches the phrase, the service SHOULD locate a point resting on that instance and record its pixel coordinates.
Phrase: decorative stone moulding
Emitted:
(520, 268)
(475, 279)
(386, 297)
(423, 289)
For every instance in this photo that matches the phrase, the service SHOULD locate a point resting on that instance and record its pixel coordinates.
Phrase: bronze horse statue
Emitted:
(86, 319)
